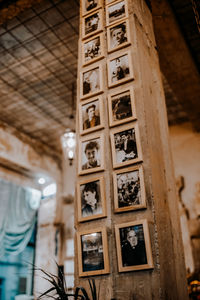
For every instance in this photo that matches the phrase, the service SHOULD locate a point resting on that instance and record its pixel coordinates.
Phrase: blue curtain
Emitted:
(18, 207)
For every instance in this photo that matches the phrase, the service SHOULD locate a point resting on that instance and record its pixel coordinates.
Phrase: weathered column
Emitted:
(131, 242)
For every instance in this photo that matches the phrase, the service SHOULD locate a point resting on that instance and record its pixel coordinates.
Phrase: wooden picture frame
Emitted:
(88, 7)
(91, 154)
(93, 49)
(91, 116)
(109, 1)
(125, 145)
(91, 199)
(115, 11)
(129, 189)
(93, 250)
(91, 81)
(92, 24)
(120, 69)
(121, 107)
(118, 35)
(133, 246)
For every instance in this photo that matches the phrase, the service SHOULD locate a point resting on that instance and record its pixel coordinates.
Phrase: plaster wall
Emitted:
(186, 156)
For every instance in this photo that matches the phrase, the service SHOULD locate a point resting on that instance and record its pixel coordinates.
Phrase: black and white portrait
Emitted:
(91, 154)
(121, 106)
(91, 81)
(91, 203)
(117, 35)
(92, 49)
(125, 145)
(119, 69)
(128, 189)
(92, 23)
(92, 252)
(91, 115)
(132, 243)
(116, 11)
(90, 4)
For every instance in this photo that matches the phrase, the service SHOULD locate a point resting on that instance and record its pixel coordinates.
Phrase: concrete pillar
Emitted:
(164, 276)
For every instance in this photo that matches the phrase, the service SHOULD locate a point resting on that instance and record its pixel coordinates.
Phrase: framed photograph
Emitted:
(133, 246)
(129, 189)
(91, 82)
(91, 115)
(92, 24)
(116, 11)
(121, 107)
(93, 252)
(89, 6)
(91, 199)
(125, 145)
(109, 1)
(120, 69)
(118, 35)
(91, 156)
(93, 49)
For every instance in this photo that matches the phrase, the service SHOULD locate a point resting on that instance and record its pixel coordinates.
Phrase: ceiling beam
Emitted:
(176, 61)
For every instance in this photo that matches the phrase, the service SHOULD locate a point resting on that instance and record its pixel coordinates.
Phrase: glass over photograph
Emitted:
(132, 243)
(121, 106)
(91, 203)
(91, 157)
(116, 11)
(90, 115)
(92, 252)
(92, 49)
(118, 35)
(92, 23)
(125, 145)
(119, 68)
(91, 81)
(128, 189)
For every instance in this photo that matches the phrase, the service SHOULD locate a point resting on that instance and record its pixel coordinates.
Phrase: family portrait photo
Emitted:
(92, 250)
(121, 107)
(133, 246)
(125, 146)
(91, 115)
(91, 199)
(91, 155)
(119, 70)
(92, 24)
(93, 50)
(116, 11)
(91, 82)
(90, 5)
(118, 36)
(129, 190)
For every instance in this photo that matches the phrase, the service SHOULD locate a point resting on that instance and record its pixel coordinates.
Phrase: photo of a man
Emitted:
(90, 157)
(118, 35)
(91, 199)
(133, 246)
(91, 115)
(119, 68)
(125, 145)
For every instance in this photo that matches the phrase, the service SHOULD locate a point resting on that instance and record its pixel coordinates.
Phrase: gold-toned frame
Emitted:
(142, 204)
(85, 70)
(98, 30)
(133, 107)
(84, 12)
(123, 80)
(103, 199)
(101, 115)
(108, 23)
(125, 44)
(138, 145)
(106, 269)
(101, 143)
(149, 264)
(102, 44)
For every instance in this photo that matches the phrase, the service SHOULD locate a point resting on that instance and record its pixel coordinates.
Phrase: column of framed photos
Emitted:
(115, 42)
